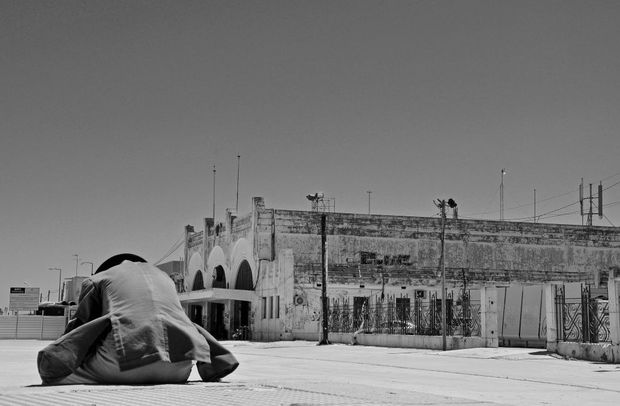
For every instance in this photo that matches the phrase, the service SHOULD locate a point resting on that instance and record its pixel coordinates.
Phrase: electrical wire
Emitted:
(472, 215)
(612, 176)
(174, 247)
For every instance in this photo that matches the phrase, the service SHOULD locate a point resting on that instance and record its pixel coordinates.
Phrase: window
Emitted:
(277, 308)
(264, 308)
(368, 257)
(271, 307)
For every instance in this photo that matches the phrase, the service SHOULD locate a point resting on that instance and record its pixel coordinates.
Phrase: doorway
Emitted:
(217, 326)
(195, 314)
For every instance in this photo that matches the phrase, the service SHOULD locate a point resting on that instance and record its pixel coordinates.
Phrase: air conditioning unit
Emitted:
(299, 300)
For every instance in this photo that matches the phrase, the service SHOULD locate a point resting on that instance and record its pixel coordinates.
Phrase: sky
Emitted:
(113, 114)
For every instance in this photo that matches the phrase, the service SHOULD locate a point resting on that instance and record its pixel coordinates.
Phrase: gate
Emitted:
(582, 319)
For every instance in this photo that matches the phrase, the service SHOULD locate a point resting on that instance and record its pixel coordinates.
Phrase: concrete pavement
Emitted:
(298, 372)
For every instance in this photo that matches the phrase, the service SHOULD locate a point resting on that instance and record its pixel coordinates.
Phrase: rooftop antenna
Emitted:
(237, 202)
(214, 194)
(501, 196)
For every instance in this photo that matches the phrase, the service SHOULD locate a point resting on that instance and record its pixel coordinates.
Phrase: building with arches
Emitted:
(258, 275)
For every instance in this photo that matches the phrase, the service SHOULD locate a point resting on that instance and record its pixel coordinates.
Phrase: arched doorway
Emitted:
(195, 311)
(217, 324)
(219, 277)
(198, 281)
(241, 321)
(244, 277)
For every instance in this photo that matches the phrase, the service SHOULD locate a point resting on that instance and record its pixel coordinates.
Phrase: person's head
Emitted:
(117, 260)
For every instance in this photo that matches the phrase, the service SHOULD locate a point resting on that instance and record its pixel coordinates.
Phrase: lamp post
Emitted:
(441, 204)
(77, 260)
(91, 266)
(59, 278)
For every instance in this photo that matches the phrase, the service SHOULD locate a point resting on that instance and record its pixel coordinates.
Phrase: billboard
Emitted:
(24, 298)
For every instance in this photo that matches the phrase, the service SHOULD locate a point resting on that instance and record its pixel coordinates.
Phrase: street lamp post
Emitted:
(59, 279)
(441, 204)
(77, 260)
(91, 266)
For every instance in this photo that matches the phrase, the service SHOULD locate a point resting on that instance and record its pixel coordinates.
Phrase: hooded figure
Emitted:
(130, 328)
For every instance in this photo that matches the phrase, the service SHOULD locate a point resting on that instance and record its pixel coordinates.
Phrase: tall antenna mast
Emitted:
(214, 194)
(501, 196)
(590, 212)
(237, 202)
(534, 205)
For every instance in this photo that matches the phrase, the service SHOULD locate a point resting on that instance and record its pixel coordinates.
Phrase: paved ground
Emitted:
(302, 373)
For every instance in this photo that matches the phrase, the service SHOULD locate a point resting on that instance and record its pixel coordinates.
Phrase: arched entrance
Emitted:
(219, 277)
(198, 281)
(241, 321)
(217, 324)
(195, 311)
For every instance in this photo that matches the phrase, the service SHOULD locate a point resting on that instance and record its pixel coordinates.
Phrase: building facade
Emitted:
(260, 275)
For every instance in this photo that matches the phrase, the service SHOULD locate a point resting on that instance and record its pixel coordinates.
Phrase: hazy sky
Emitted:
(114, 113)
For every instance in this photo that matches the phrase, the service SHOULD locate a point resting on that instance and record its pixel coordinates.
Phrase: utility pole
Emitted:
(324, 304)
(443, 275)
(59, 278)
(369, 192)
(237, 201)
(441, 204)
(91, 266)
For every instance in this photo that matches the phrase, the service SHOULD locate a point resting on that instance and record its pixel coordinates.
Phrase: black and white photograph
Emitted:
(310, 202)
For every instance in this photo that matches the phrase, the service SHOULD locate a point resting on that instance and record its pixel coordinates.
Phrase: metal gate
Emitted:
(521, 316)
(582, 319)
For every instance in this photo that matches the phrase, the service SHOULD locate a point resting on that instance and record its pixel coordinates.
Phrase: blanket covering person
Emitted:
(130, 328)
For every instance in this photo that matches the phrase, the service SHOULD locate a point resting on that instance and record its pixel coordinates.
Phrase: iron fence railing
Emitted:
(583, 319)
(399, 315)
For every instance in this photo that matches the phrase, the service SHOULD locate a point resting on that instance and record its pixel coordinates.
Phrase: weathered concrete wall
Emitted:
(485, 250)
(600, 352)
(408, 341)
(275, 284)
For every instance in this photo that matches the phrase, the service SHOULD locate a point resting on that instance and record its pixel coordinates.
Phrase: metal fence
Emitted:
(582, 319)
(395, 315)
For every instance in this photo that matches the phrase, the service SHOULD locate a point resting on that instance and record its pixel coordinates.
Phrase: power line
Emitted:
(541, 200)
(174, 247)
(545, 214)
(612, 176)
